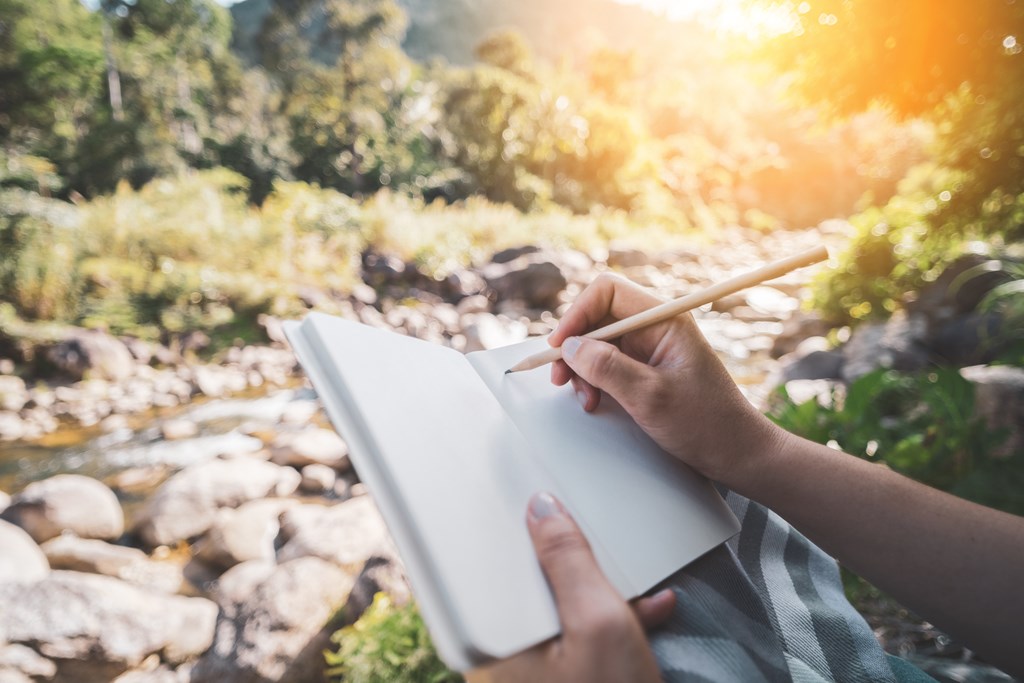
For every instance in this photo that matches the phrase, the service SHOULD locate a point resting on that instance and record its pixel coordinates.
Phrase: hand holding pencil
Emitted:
(662, 371)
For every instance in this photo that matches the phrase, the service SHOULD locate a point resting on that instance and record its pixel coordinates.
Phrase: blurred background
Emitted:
(178, 176)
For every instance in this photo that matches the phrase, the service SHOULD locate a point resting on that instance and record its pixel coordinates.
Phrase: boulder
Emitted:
(277, 633)
(380, 574)
(814, 365)
(620, 256)
(234, 586)
(186, 505)
(316, 445)
(537, 283)
(347, 534)
(21, 560)
(99, 557)
(999, 400)
(317, 479)
(67, 502)
(178, 429)
(244, 533)
(13, 394)
(92, 353)
(20, 660)
(96, 627)
(896, 344)
(12, 427)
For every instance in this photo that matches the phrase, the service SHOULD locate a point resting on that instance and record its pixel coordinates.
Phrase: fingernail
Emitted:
(569, 347)
(581, 396)
(543, 505)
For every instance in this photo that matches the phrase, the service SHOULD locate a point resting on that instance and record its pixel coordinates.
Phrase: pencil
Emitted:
(670, 309)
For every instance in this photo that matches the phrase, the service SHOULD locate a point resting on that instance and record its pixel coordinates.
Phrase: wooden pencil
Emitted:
(670, 309)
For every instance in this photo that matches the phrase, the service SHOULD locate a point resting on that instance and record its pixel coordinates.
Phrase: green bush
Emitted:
(922, 425)
(388, 644)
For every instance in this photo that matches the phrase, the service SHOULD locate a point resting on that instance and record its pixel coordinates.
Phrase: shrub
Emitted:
(388, 644)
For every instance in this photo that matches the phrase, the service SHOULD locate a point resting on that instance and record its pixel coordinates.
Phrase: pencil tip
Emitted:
(509, 371)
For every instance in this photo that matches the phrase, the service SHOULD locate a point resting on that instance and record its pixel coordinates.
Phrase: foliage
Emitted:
(921, 425)
(388, 644)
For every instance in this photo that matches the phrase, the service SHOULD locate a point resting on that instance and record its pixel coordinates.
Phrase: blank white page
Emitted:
(462, 473)
(642, 509)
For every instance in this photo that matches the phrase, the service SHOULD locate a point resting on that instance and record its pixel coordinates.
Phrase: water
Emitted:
(100, 455)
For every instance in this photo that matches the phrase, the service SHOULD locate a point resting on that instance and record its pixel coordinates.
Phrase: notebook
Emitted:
(451, 449)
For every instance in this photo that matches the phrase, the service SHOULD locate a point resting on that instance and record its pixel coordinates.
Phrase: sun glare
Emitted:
(740, 17)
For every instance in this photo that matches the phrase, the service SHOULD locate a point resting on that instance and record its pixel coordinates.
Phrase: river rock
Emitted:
(13, 394)
(67, 502)
(97, 627)
(895, 344)
(172, 430)
(186, 505)
(347, 534)
(19, 660)
(537, 283)
(812, 366)
(92, 353)
(244, 533)
(21, 560)
(12, 427)
(316, 445)
(98, 557)
(620, 256)
(317, 478)
(234, 586)
(380, 574)
(277, 633)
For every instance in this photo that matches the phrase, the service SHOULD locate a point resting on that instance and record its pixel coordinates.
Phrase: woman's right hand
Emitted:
(666, 377)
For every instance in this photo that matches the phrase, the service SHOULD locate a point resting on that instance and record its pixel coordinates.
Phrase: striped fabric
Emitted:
(766, 606)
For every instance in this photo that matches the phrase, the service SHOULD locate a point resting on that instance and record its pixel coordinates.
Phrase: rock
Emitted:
(999, 400)
(796, 328)
(5, 500)
(13, 394)
(620, 256)
(895, 344)
(379, 574)
(478, 303)
(178, 429)
(277, 633)
(156, 674)
(209, 381)
(822, 390)
(67, 502)
(96, 627)
(538, 284)
(316, 445)
(92, 353)
(347, 534)
(21, 560)
(234, 586)
(317, 478)
(244, 533)
(121, 562)
(186, 505)
(299, 412)
(955, 292)
(512, 253)
(25, 661)
(972, 339)
(814, 365)
(12, 427)
(113, 423)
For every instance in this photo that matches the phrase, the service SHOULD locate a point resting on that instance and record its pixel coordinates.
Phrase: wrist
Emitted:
(756, 451)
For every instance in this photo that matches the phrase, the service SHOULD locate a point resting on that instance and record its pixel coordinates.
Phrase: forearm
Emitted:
(956, 563)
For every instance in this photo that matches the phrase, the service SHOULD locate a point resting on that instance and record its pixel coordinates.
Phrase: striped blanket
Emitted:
(768, 606)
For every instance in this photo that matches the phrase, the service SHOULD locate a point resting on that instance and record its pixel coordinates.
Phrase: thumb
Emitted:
(581, 591)
(606, 367)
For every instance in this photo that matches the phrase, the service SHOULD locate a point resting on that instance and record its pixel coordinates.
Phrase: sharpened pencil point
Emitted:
(509, 371)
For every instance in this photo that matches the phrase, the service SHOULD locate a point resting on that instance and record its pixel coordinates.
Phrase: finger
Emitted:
(560, 373)
(653, 611)
(607, 296)
(607, 368)
(588, 396)
(580, 588)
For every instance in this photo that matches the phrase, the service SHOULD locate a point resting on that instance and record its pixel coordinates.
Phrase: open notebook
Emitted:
(451, 449)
